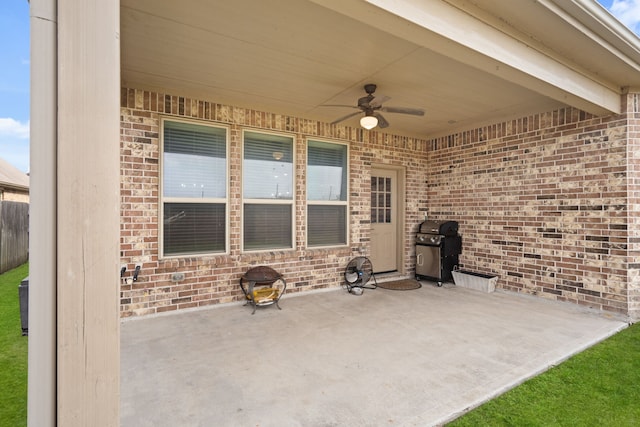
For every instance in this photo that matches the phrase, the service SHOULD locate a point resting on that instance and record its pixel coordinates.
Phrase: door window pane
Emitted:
(380, 200)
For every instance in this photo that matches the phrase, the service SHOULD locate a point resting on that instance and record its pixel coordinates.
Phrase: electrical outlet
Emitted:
(177, 277)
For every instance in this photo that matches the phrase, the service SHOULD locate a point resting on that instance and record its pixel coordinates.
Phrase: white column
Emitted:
(75, 214)
(88, 208)
(41, 403)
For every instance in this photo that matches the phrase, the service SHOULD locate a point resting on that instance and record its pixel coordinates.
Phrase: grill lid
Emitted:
(445, 228)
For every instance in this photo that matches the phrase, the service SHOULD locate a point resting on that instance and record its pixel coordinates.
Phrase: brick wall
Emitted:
(632, 106)
(543, 202)
(214, 279)
(549, 202)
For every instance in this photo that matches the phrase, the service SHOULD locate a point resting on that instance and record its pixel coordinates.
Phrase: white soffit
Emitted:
(465, 62)
(465, 32)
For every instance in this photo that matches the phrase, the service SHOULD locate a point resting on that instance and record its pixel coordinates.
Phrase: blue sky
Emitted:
(14, 83)
(14, 73)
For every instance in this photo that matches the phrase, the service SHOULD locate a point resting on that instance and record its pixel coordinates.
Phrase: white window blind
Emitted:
(267, 226)
(194, 188)
(327, 189)
(268, 191)
(195, 161)
(326, 171)
(326, 225)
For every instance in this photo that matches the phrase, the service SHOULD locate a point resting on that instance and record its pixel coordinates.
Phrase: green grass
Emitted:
(598, 387)
(13, 351)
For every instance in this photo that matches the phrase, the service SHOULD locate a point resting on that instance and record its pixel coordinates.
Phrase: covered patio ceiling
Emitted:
(464, 62)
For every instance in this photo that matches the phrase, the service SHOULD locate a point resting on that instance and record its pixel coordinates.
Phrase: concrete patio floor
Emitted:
(385, 358)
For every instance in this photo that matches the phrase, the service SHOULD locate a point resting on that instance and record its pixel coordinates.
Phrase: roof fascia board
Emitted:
(14, 187)
(591, 19)
(621, 40)
(449, 31)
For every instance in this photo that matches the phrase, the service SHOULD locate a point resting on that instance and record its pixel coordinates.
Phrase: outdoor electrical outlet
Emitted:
(177, 277)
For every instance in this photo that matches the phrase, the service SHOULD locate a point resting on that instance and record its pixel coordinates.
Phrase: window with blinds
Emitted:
(194, 188)
(327, 189)
(267, 191)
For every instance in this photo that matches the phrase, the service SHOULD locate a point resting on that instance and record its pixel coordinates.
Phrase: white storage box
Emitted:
(472, 280)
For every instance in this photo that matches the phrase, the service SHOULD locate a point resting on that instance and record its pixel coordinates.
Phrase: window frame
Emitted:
(211, 200)
(346, 203)
(275, 201)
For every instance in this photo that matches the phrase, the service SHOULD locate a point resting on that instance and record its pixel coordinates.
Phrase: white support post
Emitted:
(88, 206)
(41, 401)
(74, 342)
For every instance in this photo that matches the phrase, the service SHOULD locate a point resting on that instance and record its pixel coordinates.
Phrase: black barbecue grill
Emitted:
(438, 246)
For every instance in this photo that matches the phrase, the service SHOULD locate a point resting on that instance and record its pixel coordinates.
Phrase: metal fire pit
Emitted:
(271, 287)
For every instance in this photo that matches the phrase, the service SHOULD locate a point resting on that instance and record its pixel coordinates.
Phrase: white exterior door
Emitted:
(384, 217)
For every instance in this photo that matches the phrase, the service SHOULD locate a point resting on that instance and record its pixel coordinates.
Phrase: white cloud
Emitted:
(13, 128)
(14, 142)
(628, 12)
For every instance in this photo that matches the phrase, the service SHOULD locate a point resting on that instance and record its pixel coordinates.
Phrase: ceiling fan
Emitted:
(372, 106)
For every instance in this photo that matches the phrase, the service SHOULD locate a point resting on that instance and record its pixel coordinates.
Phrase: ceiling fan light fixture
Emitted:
(369, 122)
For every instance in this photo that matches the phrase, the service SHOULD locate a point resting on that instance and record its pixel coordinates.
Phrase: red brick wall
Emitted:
(632, 106)
(542, 202)
(214, 279)
(549, 202)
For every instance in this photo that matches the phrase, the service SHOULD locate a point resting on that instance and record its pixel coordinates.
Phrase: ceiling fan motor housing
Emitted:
(363, 102)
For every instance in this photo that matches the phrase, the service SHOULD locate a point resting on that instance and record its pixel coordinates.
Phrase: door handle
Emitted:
(419, 259)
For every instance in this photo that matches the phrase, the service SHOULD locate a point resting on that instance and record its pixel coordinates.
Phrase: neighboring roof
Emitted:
(12, 177)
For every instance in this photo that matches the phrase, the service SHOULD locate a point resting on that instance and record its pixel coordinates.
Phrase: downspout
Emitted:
(41, 405)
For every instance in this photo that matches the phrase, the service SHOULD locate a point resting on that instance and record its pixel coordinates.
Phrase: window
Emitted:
(327, 191)
(380, 199)
(194, 188)
(268, 191)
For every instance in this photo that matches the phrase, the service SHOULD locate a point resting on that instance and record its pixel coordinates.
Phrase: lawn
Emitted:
(13, 351)
(598, 387)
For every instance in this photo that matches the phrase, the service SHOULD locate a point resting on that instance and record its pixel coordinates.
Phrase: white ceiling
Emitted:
(293, 56)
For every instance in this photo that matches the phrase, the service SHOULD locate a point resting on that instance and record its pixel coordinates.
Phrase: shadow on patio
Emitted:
(401, 358)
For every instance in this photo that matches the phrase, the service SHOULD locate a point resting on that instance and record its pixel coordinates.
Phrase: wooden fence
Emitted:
(14, 234)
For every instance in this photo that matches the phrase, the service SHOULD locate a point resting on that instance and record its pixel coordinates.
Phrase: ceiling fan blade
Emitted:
(378, 101)
(339, 105)
(382, 122)
(403, 110)
(345, 117)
